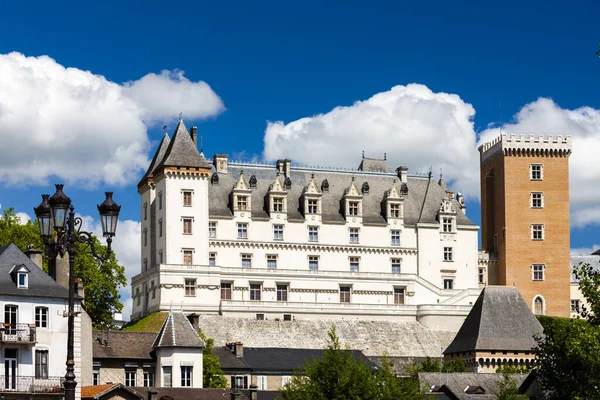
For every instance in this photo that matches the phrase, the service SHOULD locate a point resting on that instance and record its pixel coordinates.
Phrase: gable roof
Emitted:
(499, 320)
(182, 151)
(122, 344)
(177, 331)
(458, 382)
(157, 159)
(39, 283)
(115, 389)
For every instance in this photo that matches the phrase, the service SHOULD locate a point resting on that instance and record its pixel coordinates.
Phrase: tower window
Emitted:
(395, 237)
(395, 265)
(187, 198)
(537, 200)
(277, 204)
(537, 232)
(394, 210)
(536, 172)
(448, 256)
(187, 226)
(398, 295)
(537, 271)
(353, 208)
(312, 206)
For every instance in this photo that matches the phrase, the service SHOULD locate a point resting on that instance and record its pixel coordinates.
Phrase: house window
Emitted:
(145, 211)
(130, 377)
(167, 376)
(344, 294)
(271, 261)
(313, 233)
(41, 317)
(41, 364)
(160, 201)
(448, 283)
(312, 206)
(354, 263)
(187, 198)
(22, 280)
(575, 306)
(148, 378)
(187, 257)
(96, 377)
(277, 232)
(262, 382)
(537, 200)
(395, 265)
(538, 306)
(255, 291)
(353, 208)
(246, 260)
(282, 292)
(10, 317)
(212, 259)
(277, 204)
(239, 382)
(153, 289)
(145, 237)
(285, 380)
(395, 237)
(481, 275)
(353, 235)
(187, 226)
(186, 375)
(137, 294)
(160, 228)
(225, 291)
(398, 295)
(242, 203)
(313, 263)
(394, 210)
(190, 287)
(536, 172)
(447, 224)
(538, 272)
(448, 254)
(212, 229)
(242, 230)
(537, 232)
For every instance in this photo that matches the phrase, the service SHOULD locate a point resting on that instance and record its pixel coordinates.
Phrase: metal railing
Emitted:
(31, 384)
(15, 333)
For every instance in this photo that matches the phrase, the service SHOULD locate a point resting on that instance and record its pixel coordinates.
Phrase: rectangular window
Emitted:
(394, 210)
(285, 380)
(145, 237)
(187, 226)
(242, 228)
(246, 260)
(239, 382)
(225, 291)
(277, 232)
(313, 263)
(187, 198)
(575, 306)
(255, 291)
(41, 364)
(242, 203)
(262, 382)
(448, 283)
(282, 292)
(538, 272)
(96, 377)
(148, 378)
(537, 200)
(145, 264)
(212, 229)
(190, 287)
(271, 261)
(212, 259)
(448, 254)
(353, 208)
(167, 376)
(344, 294)
(130, 377)
(481, 275)
(536, 172)
(398, 295)
(186, 375)
(537, 232)
(153, 289)
(160, 201)
(160, 228)
(395, 265)
(41, 317)
(395, 237)
(277, 204)
(447, 224)
(312, 206)
(187, 257)
(354, 263)
(313, 233)
(353, 235)
(145, 211)
(22, 280)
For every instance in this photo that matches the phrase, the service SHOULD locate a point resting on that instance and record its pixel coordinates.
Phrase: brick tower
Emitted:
(525, 217)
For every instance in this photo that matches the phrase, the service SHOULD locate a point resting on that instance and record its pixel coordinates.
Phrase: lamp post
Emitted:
(60, 231)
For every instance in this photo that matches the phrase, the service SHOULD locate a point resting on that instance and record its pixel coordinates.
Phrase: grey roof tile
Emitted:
(177, 331)
(457, 382)
(158, 157)
(374, 165)
(122, 344)
(182, 151)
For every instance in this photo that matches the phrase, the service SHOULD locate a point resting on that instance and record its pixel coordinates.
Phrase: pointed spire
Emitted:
(158, 157)
(182, 151)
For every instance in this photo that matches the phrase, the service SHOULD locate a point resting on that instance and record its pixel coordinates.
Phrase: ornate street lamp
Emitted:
(60, 232)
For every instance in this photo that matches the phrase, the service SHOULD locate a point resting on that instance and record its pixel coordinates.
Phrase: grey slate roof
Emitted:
(182, 151)
(593, 260)
(499, 320)
(158, 157)
(374, 165)
(457, 382)
(177, 331)
(123, 344)
(39, 283)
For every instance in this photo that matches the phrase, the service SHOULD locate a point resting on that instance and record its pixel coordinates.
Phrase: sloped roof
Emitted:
(116, 389)
(457, 382)
(499, 320)
(374, 165)
(123, 344)
(593, 260)
(39, 283)
(182, 151)
(177, 331)
(158, 157)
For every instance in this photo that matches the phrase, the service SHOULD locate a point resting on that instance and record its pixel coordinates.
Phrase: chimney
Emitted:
(402, 172)
(284, 167)
(253, 392)
(34, 255)
(194, 134)
(239, 349)
(220, 163)
(58, 269)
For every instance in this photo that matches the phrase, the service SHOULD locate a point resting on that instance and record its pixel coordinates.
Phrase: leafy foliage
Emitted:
(513, 369)
(212, 374)
(508, 389)
(589, 282)
(433, 365)
(338, 375)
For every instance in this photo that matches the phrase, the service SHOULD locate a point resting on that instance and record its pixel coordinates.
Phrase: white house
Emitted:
(33, 333)
(288, 242)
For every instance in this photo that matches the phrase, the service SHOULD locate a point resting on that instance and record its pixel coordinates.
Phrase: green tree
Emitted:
(513, 369)
(433, 365)
(508, 389)
(101, 280)
(212, 374)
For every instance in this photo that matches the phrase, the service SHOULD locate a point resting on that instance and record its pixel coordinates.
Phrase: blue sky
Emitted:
(284, 61)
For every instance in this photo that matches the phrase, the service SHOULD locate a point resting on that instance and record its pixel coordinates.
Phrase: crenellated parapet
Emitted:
(513, 145)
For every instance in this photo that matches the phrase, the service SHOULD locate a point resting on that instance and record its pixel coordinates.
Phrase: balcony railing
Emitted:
(17, 333)
(30, 384)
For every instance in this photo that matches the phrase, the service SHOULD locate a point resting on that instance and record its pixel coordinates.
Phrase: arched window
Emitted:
(538, 306)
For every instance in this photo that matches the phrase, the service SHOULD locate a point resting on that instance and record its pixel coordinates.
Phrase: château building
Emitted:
(288, 242)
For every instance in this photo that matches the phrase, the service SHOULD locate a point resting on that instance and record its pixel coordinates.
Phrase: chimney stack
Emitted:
(402, 172)
(253, 392)
(34, 255)
(194, 134)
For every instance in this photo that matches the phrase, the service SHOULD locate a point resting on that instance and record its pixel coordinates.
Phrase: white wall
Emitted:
(175, 357)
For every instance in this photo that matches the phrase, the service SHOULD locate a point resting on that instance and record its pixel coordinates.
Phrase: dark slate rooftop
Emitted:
(122, 344)
(499, 320)
(39, 283)
(158, 157)
(177, 331)
(182, 151)
(230, 361)
(457, 383)
(593, 260)
(374, 165)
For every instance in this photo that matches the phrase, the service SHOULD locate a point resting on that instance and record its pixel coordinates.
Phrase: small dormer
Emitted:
(393, 203)
(352, 201)
(241, 196)
(447, 214)
(312, 198)
(20, 276)
(277, 197)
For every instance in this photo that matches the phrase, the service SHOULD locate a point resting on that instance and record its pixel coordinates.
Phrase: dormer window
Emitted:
(22, 281)
(353, 200)
(214, 179)
(313, 206)
(325, 186)
(240, 195)
(447, 224)
(242, 203)
(353, 208)
(20, 275)
(277, 204)
(311, 198)
(395, 210)
(288, 183)
(277, 196)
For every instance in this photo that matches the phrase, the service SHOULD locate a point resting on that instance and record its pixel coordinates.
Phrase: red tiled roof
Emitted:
(88, 392)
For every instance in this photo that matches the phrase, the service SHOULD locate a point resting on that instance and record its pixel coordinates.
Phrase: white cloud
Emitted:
(81, 127)
(23, 217)
(127, 309)
(584, 251)
(413, 125)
